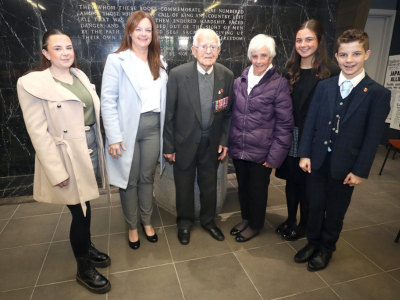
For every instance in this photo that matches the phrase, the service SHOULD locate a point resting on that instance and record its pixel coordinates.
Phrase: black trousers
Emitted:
(328, 200)
(253, 181)
(207, 181)
(79, 234)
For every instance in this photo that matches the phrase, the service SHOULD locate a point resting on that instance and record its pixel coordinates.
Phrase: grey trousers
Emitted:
(139, 192)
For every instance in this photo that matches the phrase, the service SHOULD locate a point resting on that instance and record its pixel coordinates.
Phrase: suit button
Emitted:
(329, 122)
(326, 143)
(65, 130)
(58, 105)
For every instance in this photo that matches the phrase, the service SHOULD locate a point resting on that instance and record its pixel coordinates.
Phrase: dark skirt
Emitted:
(290, 170)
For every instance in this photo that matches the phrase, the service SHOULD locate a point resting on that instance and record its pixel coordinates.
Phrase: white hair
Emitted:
(204, 30)
(260, 41)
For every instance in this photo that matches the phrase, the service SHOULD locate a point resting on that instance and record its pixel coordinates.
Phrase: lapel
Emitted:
(359, 96)
(218, 84)
(33, 83)
(333, 86)
(128, 67)
(192, 88)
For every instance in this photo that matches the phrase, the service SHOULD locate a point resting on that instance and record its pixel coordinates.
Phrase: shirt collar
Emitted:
(251, 71)
(201, 70)
(356, 80)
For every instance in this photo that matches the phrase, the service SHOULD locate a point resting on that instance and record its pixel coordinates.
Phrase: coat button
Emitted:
(329, 122)
(326, 143)
(58, 105)
(65, 130)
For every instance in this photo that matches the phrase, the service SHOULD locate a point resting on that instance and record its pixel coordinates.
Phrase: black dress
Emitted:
(302, 94)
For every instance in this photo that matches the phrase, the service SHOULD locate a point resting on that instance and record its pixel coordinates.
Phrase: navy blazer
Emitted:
(360, 130)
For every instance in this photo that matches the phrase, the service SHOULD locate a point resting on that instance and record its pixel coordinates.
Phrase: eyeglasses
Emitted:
(205, 47)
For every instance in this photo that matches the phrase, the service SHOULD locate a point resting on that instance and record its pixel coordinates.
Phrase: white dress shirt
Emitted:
(149, 88)
(356, 80)
(201, 70)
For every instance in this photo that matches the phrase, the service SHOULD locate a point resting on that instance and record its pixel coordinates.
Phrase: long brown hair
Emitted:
(320, 61)
(154, 47)
(44, 63)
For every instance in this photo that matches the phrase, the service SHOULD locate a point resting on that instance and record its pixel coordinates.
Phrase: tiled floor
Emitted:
(36, 260)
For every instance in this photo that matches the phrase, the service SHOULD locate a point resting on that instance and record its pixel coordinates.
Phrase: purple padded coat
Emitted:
(262, 122)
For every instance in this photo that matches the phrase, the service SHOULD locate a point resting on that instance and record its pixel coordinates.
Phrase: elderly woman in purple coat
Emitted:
(261, 133)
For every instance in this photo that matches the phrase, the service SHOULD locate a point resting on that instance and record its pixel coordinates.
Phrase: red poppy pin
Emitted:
(365, 90)
(317, 75)
(220, 91)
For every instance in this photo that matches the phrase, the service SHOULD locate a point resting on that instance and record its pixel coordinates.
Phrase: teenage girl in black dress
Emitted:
(307, 65)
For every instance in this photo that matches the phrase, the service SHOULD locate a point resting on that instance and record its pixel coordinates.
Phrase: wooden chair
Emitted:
(391, 145)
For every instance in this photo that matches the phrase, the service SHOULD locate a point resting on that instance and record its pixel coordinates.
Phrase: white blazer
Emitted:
(120, 110)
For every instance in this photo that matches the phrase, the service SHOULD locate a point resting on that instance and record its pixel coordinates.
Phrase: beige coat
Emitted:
(54, 119)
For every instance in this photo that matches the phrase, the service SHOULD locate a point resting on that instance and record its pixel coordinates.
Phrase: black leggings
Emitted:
(295, 194)
(79, 234)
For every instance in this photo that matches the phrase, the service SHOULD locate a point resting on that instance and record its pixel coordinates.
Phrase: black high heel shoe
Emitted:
(134, 245)
(151, 239)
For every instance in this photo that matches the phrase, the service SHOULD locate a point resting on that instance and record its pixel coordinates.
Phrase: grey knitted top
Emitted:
(206, 89)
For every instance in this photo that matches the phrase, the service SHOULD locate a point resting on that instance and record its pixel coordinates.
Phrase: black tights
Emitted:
(295, 194)
(79, 234)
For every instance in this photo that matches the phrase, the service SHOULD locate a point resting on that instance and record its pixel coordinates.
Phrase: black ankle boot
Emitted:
(98, 259)
(90, 278)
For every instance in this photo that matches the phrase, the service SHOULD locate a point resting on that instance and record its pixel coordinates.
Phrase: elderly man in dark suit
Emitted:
(196, 133)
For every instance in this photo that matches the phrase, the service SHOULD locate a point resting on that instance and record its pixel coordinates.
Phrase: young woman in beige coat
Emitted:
(62, 115)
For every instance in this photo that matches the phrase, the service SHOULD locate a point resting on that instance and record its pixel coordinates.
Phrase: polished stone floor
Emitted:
(36, 260)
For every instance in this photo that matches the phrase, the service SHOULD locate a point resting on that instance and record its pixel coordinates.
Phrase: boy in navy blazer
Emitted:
(340, 139)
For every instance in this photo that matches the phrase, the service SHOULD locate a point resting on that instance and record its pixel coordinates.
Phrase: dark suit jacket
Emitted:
(360, 130)
(183, 129)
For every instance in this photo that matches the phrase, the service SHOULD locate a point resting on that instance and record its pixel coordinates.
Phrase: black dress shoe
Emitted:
(319, 261)
(283, 227)
(241, 239)
(184, 236)
(216, 233)
(235, 231)
(305, 254)
(151, 239)
(134, 245)
(293, 234)
(98, 259)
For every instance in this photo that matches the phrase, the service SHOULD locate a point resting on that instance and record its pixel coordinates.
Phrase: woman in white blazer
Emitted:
(133, 108)
(62, 115)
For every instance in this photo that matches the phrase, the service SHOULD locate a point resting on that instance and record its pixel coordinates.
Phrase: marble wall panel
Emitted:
(23, 22)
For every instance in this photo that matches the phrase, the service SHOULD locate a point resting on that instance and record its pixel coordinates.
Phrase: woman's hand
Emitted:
(267, 165)
(114, 149)
(62, 184)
